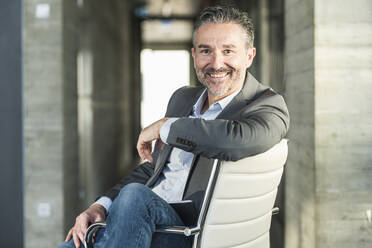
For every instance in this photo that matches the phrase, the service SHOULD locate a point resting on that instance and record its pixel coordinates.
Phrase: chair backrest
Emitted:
(239, 213)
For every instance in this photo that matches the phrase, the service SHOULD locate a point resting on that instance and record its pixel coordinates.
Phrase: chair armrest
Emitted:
(187, 231)
(92, 229)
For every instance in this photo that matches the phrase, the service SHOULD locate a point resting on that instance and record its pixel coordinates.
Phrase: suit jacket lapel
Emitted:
(187, 109)
(246, 94)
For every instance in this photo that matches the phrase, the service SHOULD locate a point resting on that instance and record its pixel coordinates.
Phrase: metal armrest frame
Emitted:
(89, 234)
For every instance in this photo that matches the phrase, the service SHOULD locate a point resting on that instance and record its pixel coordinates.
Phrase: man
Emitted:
(232, 117)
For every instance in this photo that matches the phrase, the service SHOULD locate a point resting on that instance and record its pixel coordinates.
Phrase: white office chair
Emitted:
(238, 203)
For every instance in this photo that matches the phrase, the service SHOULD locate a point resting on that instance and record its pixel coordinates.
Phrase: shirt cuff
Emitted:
(105, 202)
(164, 130)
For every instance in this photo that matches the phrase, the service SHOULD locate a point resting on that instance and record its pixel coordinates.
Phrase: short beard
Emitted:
(203, 78)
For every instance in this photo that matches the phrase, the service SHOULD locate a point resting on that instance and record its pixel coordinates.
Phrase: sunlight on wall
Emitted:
(85, 122)
(163, 71)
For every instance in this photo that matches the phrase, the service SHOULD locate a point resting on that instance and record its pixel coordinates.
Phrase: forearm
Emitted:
(229, 139)
(224, 139)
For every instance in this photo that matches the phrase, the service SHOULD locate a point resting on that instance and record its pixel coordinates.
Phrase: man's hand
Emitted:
(94, 213)
(147, 135)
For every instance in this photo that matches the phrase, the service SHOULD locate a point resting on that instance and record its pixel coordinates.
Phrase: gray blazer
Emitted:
(255, 120)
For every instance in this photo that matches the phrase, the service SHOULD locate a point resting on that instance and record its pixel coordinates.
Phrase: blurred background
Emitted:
(80, 78)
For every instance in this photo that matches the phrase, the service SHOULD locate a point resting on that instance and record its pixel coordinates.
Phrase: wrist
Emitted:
(160, 124)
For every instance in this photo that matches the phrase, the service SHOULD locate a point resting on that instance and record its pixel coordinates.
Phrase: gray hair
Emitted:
(225, 14)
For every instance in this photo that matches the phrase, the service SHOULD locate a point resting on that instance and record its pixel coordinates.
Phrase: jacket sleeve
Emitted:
(255, 128)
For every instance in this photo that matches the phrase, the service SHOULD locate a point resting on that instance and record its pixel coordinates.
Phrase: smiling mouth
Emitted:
(218, 75)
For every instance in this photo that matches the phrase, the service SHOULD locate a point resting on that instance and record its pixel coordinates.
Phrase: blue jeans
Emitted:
(133, 217)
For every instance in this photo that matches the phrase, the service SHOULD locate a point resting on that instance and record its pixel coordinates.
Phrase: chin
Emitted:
(218, 92)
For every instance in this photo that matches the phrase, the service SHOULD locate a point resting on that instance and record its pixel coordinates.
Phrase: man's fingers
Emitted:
(83, 226)
(81, 237)
(159, 143)
(147, 135)
(76, 241)
(69, 235)
(147, 147)
(146, 155)
(144, 151)
(81, 231)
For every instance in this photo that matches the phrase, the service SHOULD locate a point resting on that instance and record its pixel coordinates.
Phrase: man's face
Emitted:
(221, 57)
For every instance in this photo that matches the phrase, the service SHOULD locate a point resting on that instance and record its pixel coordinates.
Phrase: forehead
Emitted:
(220, 34)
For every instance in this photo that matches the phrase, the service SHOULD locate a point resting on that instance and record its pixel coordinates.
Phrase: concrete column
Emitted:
(328, 69)
(50, 120)
(80, 119)
(264, 41)
(343, 134)
(300, 173)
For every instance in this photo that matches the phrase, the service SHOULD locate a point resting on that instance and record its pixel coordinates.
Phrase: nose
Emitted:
(216, 61)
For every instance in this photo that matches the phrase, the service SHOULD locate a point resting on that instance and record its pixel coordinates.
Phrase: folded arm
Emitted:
(253, 130)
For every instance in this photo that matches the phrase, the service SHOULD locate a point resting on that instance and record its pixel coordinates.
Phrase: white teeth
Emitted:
(218, 75)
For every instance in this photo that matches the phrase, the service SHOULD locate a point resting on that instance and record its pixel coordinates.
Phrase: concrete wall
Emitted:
(79, 91)
(299, 78)
(343, 134)
(50, 120)
(328, 73)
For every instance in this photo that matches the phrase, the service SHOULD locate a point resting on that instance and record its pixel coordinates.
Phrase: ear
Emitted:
(250, 56)
(193, 55)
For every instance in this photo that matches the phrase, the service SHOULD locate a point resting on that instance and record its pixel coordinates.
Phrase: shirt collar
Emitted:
(222, 103)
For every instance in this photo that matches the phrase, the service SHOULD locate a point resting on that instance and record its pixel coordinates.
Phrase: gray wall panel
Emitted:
(11, 169)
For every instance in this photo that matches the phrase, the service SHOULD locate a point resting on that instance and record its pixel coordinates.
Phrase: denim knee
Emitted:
(133, 192)
(69, 244)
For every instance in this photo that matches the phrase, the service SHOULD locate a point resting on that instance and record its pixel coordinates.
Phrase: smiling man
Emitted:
(231, 117)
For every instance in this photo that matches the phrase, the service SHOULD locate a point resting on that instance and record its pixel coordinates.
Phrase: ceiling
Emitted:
(173, 7)
(168, 21)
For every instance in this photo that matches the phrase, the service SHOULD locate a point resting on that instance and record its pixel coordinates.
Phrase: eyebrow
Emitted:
(203, 46)
(224, 46)
(229, 46)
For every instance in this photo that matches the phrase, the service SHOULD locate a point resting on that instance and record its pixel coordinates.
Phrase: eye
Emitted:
(205, 51)
(227, 51)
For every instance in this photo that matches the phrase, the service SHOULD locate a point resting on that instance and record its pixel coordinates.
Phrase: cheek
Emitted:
(200, 64)
(242, 63)
(234, 63)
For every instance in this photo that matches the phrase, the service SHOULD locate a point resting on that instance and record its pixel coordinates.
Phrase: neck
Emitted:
(211, 99)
